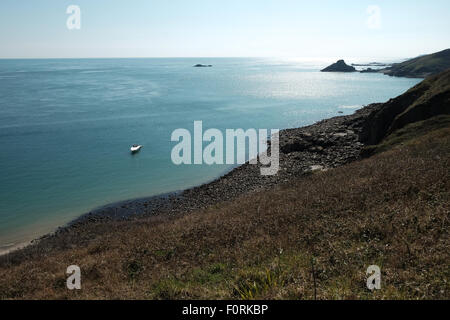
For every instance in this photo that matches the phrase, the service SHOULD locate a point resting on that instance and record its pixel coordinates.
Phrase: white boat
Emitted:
(135, 148)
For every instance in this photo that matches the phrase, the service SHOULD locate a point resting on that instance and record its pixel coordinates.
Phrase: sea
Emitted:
(67, 125)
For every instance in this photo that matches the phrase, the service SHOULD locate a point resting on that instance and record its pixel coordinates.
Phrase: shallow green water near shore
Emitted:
(66, 125)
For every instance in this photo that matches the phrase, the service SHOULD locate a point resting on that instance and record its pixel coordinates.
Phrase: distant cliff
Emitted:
(339, 66)
(421, 67)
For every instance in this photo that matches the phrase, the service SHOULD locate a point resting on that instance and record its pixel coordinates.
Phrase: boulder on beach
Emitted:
(339, 66)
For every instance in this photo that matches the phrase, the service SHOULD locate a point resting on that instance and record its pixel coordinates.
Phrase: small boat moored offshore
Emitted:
(135, 148)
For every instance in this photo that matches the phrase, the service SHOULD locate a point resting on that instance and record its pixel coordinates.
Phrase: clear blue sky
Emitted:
(208, 28)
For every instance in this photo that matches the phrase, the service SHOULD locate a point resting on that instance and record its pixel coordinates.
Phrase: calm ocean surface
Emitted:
(66, 126)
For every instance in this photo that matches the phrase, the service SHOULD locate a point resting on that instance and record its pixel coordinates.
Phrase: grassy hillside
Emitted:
(421, 67)
(391, 210)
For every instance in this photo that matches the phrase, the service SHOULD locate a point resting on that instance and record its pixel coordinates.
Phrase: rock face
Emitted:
(421, 67)
(203, 65)
(339, 66)
(427, 99)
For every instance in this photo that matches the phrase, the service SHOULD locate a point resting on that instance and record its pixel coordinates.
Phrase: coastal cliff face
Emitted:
(339, 66)
(421, 67)
(429, 98)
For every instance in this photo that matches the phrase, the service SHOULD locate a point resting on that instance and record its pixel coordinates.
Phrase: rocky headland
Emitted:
(420, 67)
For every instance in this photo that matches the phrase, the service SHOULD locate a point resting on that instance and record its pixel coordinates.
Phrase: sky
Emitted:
(225, 28)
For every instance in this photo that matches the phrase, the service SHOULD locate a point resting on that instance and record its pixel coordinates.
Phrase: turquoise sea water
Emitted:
(66, 126)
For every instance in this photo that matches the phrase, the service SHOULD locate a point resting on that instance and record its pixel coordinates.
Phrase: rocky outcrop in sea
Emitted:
(339, 66)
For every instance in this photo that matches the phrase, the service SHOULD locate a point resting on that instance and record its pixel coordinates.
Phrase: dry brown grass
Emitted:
(391, 210)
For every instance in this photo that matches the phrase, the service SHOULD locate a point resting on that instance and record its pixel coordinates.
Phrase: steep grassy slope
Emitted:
(391, 210)
(421, 67)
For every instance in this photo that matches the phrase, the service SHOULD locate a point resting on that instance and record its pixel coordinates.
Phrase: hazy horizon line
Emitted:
(287, 57)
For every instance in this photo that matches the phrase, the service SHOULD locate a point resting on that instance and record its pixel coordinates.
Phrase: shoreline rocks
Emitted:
(326, 144)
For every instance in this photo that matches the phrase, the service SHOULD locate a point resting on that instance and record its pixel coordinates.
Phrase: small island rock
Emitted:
(339, 66)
